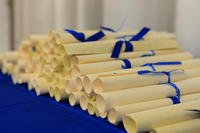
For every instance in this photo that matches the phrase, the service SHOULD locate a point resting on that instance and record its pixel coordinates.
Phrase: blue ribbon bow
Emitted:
(162, 63)
(81, 36)
(117, 48)
(127, 64)
(128, 45)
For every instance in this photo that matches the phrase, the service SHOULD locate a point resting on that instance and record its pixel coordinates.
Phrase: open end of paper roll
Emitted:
(46, 47)
(57, 94)
(129, 125)
(103, 115)
(37, 91)
(98, 85)
(30, 86)
(87, 84)
(90, 109)
(51, 91)
(79, 84)
(75, 72)
(83, 102)
(100, 104)
(72, 99)
(113, 116)
(74, 60)
(66, 61)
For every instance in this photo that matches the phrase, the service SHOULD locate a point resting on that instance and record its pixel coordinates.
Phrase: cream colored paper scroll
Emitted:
(74, 97)
(87, 81)
(105, 100)
(146, 120)
(189, 126)
(103, 84)
(98, 47)
(83, 69)
(66, 38)
(117, 112)
(84, 59)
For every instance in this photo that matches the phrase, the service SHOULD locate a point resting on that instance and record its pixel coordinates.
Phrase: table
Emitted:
(21, 111)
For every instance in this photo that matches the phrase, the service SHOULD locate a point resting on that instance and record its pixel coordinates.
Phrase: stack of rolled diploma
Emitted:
(84, 73)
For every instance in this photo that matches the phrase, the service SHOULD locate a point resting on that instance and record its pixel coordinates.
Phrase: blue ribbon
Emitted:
(128, 46)
(127, 64)
(117, 48)
(175, 99)
(145, 72)
(140, 34)
(152, 54)
(81, 36)
(161, 63)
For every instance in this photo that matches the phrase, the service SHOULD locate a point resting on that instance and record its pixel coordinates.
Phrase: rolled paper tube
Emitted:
(74, 97)
(25, 46)
(52, 91)
(83, 69)
(145, 120)
(105, 100)
(98, 47)
(66, 61)
(22, 64)
(34, 80)
(66, 38)
(79, 83)
(189, 126)
(117, 112)
(103, 84)
(83, 101)
(89, 79)
(24, 77)
(7, 67)
(35, 39)
(60, 93)
(70, 86)
(91, 108)
(42, 88)
(11, 56)
(84, 59)
(48, 47)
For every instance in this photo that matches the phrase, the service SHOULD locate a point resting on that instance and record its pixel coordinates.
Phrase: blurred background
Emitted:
(19, 18)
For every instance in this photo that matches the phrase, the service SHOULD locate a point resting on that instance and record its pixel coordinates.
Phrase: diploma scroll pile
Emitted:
(133, 88)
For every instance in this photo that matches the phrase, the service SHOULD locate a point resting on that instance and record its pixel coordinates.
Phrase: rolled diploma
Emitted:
(84, 59)
(60, 93)
(189, 126)
(98, 47)
(11, 56)
(105, 100)
(83, 69)
(103, 84)
(117, 112)
(87, 81)
(66, 38)
(74, 97)
(146, 120)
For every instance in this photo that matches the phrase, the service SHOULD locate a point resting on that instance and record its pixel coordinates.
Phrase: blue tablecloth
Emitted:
(21, 111)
